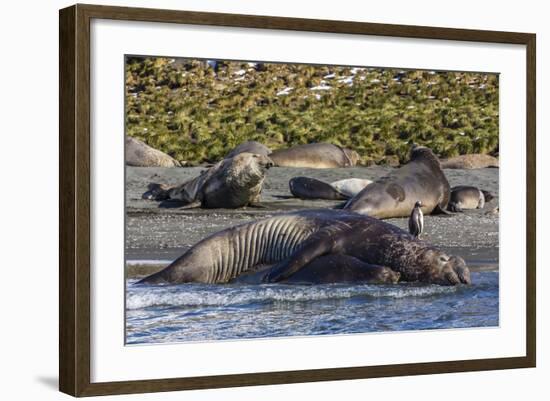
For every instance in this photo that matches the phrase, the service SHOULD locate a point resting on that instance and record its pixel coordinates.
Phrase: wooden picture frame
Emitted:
(74, 203)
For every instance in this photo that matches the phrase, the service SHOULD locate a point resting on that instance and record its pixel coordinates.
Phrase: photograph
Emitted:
(268, 199)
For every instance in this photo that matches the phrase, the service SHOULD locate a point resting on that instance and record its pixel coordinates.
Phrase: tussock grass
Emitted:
(195, 114)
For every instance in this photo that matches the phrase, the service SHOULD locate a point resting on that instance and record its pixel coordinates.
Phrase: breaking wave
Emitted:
(140, 297)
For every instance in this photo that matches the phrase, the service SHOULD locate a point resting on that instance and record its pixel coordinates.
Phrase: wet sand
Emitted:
(155, 236)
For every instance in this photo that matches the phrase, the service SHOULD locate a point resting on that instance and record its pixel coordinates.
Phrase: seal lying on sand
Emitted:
(329, 269)
(290, 241)
(312, 188)
(467, 197)
(230, 183)
(250, 147)
(395, 195)
(315, 155)
(141, 155)
(350, 186)
(470, 161)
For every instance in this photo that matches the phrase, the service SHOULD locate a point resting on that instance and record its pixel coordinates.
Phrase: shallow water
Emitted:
(199, 312)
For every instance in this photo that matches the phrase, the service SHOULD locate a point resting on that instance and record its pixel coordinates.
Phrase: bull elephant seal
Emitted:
(394, 195)
(315, 155)
(230, 183)
(467, 197)
(139, 154)
(250, 147)
(290, 241)
(312, 188)
(329, 269)
(471, 161)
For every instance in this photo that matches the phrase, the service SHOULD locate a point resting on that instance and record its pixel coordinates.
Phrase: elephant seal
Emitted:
(139, 154)
(329, 269)
(467, 197)
(250, 147)
(312, 188)
(315, 155)
(394, 195)
(290, 241)
(230, 183)
(350, 186)
(471, 161)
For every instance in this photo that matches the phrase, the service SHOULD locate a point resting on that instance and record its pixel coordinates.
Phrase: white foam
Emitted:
(185, 295)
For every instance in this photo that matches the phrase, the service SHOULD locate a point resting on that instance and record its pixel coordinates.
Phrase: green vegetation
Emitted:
(186, 109)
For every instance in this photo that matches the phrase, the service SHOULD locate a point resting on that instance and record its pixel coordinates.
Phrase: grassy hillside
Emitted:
(195, 114)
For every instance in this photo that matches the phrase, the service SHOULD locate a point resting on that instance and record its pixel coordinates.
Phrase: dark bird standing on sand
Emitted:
(416, 221)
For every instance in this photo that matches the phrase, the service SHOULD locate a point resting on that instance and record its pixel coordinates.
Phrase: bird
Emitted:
(416, 220)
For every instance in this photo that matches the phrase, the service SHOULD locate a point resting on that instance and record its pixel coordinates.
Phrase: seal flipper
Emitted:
(158, 192)
(257, 205)
(255, 276)
(193, 205)
(317, 245)
(454, 207)
(298, 260)
(439, 210)
(179, 204)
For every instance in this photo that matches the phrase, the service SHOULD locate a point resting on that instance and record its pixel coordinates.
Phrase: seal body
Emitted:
(396, 194)
(315, 155)
(468, 197)
(471, 161)
(139, 154)
(249, 147)
(350, 186)
(311, 188)
(329, 269)
(230, 183)
(290, 241)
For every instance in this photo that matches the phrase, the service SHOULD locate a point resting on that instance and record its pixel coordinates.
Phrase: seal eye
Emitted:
(443, 259)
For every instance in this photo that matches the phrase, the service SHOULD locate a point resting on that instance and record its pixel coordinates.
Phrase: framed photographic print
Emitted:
(250, 200)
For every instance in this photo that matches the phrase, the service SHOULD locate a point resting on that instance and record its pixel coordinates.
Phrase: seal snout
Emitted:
(393, 277)
(460, 268)
(457, 272)
(264, 161)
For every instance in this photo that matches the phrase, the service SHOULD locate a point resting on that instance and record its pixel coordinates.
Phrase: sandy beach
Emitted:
(155, 236)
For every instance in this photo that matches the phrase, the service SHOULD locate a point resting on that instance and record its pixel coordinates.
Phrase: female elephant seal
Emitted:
(290, 241)
(350, 186)
(312, 188)
(467, 197)
(230, 183)
(471, 161)
(395, 195)
(315, 155)
(139, 154)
